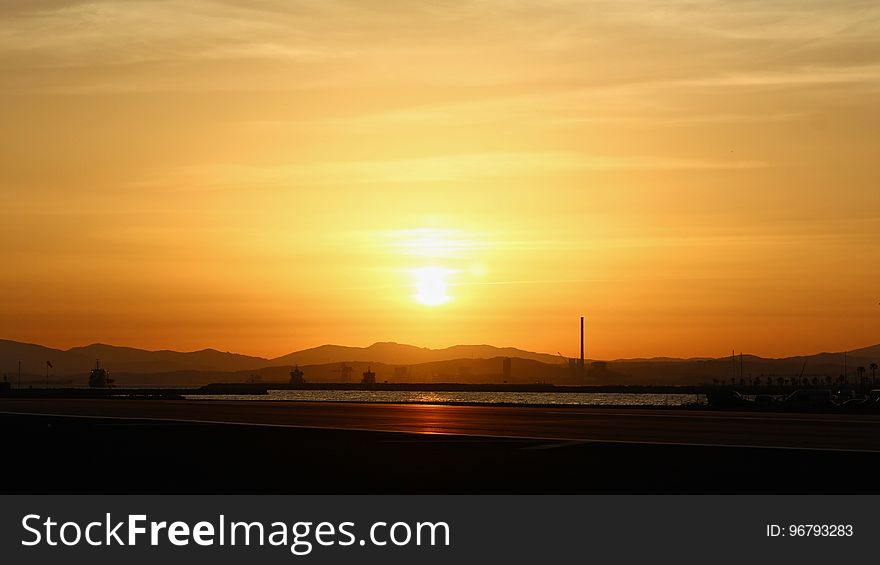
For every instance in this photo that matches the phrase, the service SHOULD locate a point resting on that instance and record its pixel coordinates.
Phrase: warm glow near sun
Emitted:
(431, 285)
(430, 256)
(431, 242)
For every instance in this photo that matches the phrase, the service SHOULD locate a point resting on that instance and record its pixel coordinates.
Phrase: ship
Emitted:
(99, 378)
(369, 377)
(296, 376)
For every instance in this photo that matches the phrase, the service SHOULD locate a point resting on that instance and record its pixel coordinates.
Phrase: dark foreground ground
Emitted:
(852, 432)
(58, 454)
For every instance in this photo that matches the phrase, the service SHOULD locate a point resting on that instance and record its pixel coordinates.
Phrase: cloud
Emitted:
(439, 168)
(549, 56)
(802, 76)
(135, 31)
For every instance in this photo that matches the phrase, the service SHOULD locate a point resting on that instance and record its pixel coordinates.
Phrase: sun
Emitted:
(438, 261)
(431, 285)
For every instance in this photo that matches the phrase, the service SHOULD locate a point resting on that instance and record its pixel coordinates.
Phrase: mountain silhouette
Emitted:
(78, 360)
(402, 354)
(133, 360)
(465, 363)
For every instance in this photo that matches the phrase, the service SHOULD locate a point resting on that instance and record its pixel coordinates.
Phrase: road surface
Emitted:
(846, 432)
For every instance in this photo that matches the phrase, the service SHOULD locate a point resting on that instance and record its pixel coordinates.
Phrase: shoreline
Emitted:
(263, 388)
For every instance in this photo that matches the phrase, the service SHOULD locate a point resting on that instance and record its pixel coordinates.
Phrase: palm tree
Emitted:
(874, 368)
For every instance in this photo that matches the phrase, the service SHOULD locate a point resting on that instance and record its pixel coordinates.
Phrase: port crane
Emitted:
(344, 371)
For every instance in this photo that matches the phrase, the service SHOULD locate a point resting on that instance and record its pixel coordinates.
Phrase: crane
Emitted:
(344, 372)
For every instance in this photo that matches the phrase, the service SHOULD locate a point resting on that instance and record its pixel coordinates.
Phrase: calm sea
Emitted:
(569, 398)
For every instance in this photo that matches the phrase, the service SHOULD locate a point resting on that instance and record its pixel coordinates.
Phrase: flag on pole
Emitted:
(49, 364)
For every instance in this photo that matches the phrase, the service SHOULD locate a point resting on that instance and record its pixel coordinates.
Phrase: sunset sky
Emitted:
(267, 176)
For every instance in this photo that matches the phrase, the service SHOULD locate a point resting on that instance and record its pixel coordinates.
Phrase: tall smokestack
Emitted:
(582, 346)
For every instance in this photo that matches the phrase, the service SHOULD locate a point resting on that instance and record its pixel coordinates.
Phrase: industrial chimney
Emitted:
(581, 364)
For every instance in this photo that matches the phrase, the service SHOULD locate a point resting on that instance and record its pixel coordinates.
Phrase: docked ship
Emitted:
(297, 376)
(369, 377)
(99, 378)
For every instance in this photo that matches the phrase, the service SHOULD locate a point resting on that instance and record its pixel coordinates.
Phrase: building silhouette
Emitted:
(369, 377)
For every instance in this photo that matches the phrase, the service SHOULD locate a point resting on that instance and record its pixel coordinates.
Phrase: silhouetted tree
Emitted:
(780, 381)
(874, 368)
(828, 380)
(861, 372)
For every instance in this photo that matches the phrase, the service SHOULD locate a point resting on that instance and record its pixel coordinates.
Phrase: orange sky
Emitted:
(264, 177)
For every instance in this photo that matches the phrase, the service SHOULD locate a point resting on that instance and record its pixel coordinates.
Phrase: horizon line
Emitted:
(636, 358)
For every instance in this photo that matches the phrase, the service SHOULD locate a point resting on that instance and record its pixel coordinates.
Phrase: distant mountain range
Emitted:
(78, 360)
(401, 354)
(459, 363)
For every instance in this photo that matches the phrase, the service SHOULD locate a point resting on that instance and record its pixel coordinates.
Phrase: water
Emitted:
(470, 397)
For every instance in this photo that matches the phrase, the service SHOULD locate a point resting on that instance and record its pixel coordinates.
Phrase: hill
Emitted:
(77, 361)
(396, 362)
(133, 360)
(402, 354)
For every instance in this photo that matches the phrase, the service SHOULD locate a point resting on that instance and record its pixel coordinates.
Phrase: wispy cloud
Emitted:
(136, 31)
(439, 168)
(628, 43)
